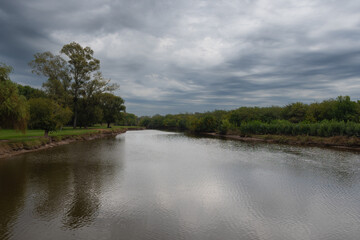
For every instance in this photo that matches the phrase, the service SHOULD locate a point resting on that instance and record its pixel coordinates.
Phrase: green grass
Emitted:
(10, 134)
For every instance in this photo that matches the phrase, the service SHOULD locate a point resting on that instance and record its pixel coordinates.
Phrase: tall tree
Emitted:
(14, 110)
(56, 69)
(82, 64)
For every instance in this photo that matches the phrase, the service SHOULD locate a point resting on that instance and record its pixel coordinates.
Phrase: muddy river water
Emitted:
(163, 185)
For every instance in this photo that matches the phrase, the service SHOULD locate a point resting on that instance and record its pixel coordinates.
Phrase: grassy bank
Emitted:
(12, 135)
(14, 142)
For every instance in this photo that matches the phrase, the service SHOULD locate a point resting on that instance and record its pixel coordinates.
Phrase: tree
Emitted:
(56, 69)
(47, 115)
(243, 114)
(29, 92)
(207, 124)
(81, 64)
(156, 122)
(14, 110)
(224, 126)
(112, 106)
(127, 119)
(295, 112)
(90, 110)
(144, 121)
(346, 109)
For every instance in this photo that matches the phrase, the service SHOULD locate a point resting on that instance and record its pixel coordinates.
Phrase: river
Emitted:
(163, 185)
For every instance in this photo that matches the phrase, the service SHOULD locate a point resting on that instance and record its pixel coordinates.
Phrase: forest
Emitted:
(331, 117)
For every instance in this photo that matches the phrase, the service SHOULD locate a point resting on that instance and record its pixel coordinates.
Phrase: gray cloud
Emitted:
(186, 56)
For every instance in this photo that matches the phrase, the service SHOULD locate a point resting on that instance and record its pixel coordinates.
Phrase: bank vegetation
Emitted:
(74, 93)
(330, 122)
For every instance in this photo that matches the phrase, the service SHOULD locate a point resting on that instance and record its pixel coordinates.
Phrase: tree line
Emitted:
(331, 117)
(75, 92)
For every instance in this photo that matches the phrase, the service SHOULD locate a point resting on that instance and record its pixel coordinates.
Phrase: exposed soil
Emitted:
(8, 148)
(338, 142)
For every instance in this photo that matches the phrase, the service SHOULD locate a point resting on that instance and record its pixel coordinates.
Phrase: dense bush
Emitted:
(47, 115)
(323, 129)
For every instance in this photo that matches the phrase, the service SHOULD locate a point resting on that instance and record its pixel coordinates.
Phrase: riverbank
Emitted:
(15, 146)
(338, 142)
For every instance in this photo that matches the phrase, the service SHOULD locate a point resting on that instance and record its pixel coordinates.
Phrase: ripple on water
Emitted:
(161, 185)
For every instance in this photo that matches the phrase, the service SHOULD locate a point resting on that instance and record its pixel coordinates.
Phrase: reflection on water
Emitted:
(161, 185)
(12, 191)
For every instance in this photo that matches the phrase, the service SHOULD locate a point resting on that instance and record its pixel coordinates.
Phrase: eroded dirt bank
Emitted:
(337, 142)
(8, 148)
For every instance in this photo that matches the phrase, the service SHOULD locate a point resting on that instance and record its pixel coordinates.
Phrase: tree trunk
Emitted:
(46, 133)
(75, 108)
(108, 125)
(75, 115)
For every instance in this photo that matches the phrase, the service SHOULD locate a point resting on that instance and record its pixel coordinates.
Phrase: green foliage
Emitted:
(207, 123)
(331, 117)
(55, 68)
(322, 129)
(5, 71)
(224, 126)
(89, 113)
(243, 114)
(81, 64)
(14, 110)
(127, 119)
(193, 124)
(144, 121)
(91, 108)
(295, 112)
(246, 114)
(321, 111)
(170, 122)
(112, 107)
(346, 110)
(75, 82)
(47, 115)
(29, 92)
(156, 122)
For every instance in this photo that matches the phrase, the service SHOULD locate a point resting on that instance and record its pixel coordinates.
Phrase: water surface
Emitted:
(162, 185)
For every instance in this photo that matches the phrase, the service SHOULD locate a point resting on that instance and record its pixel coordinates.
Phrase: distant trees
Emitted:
(331, 117)
(14, 110)
(206, 123)
(127, 119)
(246, 114)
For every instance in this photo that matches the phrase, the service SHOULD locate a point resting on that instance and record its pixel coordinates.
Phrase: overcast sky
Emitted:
(187, 55)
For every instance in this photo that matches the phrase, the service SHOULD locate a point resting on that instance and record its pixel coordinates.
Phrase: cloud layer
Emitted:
(186, 56)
